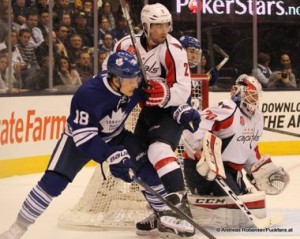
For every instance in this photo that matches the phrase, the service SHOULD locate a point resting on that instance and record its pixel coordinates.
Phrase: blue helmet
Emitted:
(123, 65)
(188, 41)
(193, 48)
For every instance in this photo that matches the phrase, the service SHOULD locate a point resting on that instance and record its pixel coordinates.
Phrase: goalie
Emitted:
(238, 122)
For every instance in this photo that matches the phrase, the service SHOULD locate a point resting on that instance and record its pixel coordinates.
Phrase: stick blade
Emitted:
(268, 221)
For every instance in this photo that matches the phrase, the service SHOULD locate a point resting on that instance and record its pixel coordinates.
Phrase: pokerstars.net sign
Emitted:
(240, 7)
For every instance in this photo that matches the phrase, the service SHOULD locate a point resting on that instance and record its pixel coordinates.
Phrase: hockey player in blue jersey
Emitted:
(94, 130)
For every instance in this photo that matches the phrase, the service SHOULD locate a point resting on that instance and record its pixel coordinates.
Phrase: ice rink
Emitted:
(14, 190)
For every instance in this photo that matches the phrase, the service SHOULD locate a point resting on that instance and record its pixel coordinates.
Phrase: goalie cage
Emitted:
(112, 204)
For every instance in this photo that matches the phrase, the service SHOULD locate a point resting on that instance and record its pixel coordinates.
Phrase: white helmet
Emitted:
(246, 92)
(155, 13)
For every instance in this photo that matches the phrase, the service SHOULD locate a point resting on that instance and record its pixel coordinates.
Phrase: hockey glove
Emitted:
(214, 75)
(268, 177)
(188, 117)
(119, 163)
(210, 164)
(158, 93)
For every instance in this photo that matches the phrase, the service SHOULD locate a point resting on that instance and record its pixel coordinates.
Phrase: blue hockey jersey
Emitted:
(97, 115)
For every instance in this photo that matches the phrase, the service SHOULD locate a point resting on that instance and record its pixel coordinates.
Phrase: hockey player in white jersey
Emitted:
(168, 90)
(238, 122)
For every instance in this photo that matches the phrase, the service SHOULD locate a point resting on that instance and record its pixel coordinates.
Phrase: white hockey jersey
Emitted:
(239, 133)
(167, 61)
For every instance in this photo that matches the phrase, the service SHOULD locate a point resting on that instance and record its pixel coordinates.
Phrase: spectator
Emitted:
(28, 55)
(103, 29)
(41, 78)
(42, 5)
(20, 11)
(263, 72)
(84, 67)
(67, 74)
(4, 77)
(121, 29)
(102, 55)
(43, 49)
(284, 77)
(87, 8)
(36, 37)
(106, 11)
(75, 48)
(43, 23)
(108, 43)
(62, 34)
(66, 20)
(64, 6)
(86, 32)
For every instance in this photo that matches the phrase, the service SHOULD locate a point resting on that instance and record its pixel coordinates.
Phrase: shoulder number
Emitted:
(82, 117)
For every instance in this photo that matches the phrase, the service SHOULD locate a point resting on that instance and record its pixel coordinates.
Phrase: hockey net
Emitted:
(112, 204)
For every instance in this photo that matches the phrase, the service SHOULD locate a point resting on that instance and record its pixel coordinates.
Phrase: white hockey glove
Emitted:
(158, 93)
(268, 177)
(210, 164)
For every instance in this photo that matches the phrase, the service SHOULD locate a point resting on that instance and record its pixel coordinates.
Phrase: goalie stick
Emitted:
(133, 39)
(258, 222)
(174, 208)
(222, 53)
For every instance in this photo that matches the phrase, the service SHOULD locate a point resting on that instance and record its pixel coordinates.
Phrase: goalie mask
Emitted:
(193, 49)
(155, 14)
(246, 92)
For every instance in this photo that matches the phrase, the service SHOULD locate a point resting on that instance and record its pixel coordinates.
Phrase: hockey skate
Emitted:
(16, 231)
(147, 226)
(170, 224)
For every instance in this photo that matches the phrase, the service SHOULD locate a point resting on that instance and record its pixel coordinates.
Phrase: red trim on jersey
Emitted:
(251, 205)
(218, 125)
(171, 70)
(163, 162)
(237, 167)
(257, 153)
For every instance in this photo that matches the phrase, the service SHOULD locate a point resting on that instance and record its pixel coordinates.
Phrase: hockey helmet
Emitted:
(193, 48)
(246, 92)
(155, 13)
(123, 65)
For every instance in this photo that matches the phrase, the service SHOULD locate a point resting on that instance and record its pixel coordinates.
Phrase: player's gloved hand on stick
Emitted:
(214, 75)
(119, 163)
(268, 177)
(158, 93)
(188, 117)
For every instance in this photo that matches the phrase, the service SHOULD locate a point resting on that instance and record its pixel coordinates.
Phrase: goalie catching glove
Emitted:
(119, 163)
(268, 177)
(158, 93)
(210, 164)
(188, 117)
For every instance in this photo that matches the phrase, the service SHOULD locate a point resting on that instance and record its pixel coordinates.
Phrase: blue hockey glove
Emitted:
(119, 163)
(188, 117)
(214, 75)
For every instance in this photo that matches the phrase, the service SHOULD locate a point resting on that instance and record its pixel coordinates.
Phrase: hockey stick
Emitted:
(133, 39)
(174, 208)
(258, 222)
(282, 132)
(222, 53)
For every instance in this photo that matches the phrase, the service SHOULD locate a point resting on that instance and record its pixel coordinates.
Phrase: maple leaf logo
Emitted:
(112, 121)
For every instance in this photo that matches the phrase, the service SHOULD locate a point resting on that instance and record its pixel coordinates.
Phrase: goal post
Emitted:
(113, 204)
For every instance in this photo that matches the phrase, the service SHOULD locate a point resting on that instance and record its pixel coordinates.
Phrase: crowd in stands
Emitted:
(72, 40)
(73, 44)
